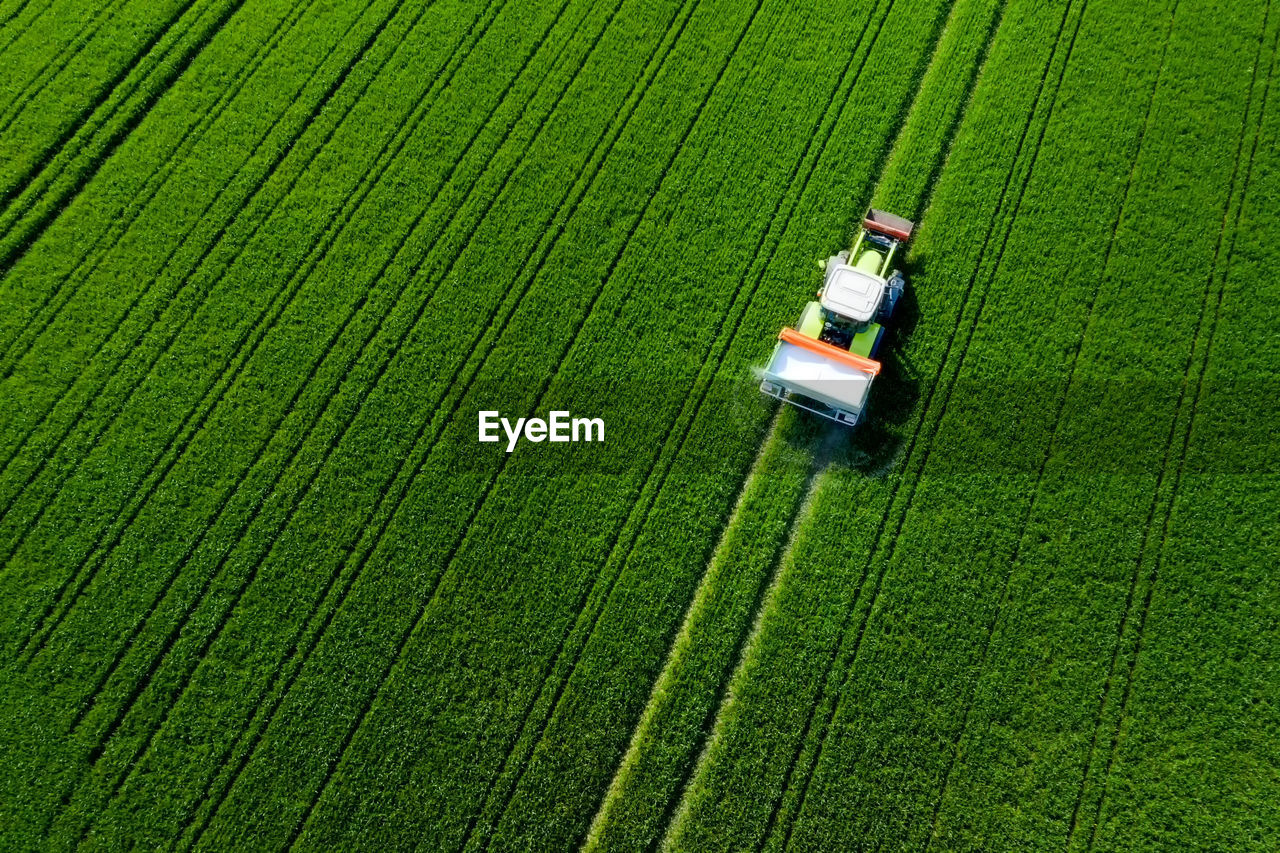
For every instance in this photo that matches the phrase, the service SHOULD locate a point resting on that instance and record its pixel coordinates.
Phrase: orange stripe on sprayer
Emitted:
(866, 365)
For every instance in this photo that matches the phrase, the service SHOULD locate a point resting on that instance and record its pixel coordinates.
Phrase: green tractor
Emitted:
(827, 363)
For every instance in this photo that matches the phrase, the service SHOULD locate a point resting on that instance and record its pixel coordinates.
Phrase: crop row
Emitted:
(440, 487)
(668, 734)
(904, 704)
(13, 9)
(409, 382)
(577, 274)
(103, 216)
(756, 775)
(147, 582)
(57, 41)
(637, 614)
(1157, 383)
(1075, 588)
(263, 587)
(626, 291)
(1207, 773)
(86, 99)
(335, 413)
(629, 622)
(77, 378)
(843, 519)
(325, 443)
(679, 712)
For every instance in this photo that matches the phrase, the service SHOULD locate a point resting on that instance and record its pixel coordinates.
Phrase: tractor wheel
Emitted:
(896, 285)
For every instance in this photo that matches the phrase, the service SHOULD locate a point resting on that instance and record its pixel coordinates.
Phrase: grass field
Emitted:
(263, 262)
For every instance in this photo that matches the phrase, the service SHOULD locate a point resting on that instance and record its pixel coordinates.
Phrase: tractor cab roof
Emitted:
(852, 293)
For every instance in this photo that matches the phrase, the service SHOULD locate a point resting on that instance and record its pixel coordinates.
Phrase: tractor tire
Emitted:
(896, 285)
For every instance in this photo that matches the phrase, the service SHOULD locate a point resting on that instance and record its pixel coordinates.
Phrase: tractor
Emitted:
(826, 364)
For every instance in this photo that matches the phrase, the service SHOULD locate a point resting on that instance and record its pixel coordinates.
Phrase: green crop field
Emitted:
(264, 264)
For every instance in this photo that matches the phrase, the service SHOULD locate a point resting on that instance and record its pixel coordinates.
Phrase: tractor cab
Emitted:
(851, 294)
